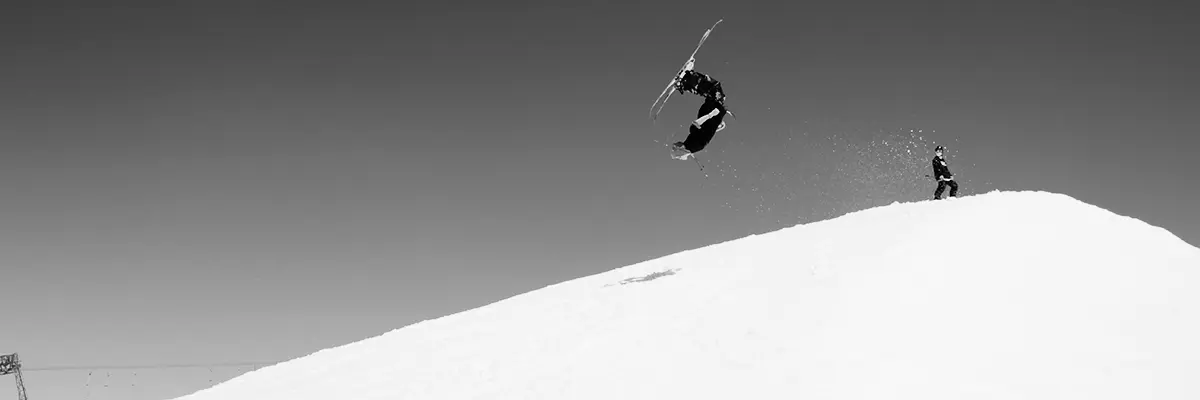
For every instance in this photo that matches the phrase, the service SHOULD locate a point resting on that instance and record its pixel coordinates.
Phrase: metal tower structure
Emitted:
(10, 364)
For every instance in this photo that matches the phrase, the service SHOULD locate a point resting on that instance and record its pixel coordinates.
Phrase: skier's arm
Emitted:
(941, 171)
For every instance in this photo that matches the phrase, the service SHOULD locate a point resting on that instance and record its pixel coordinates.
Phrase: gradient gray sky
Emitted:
(226, 181)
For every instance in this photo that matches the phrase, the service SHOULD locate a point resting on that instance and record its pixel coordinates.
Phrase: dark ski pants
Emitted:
(700, 84)
(937, 195)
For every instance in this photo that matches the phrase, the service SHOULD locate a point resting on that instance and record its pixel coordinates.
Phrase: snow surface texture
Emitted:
(1005, 295)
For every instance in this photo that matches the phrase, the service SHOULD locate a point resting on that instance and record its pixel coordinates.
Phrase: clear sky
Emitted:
(229, 181)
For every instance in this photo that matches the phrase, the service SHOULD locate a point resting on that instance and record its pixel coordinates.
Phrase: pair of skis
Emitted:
(686, 66)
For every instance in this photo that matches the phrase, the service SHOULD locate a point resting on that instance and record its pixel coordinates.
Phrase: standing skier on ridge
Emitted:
(941, 172)
(710, 117)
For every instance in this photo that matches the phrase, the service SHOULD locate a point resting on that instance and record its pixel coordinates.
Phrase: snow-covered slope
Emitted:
(1007, 295)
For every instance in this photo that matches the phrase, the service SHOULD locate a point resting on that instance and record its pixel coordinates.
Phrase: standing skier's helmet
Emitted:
(939, 148)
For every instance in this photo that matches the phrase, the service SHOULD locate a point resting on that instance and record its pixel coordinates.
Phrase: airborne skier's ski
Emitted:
(678, 74)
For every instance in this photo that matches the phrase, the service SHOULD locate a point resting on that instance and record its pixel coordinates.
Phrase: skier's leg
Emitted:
(687, 80)
(700, 84)
(711, 88)
(953, 188)
(937, 194)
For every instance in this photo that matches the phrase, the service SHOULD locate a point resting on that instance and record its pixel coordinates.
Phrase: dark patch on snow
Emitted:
(650, 277)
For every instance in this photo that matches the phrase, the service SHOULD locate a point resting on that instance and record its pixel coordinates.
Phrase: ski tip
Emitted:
(714, 26)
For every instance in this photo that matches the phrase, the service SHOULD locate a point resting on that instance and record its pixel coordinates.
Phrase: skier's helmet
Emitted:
(939, 148)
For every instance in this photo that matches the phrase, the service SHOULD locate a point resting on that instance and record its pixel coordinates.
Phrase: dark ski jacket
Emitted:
(709, 105)
(699, 136)
(940, 169)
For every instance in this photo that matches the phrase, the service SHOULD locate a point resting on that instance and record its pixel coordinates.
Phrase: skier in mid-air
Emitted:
(941, 172)
(709, 119)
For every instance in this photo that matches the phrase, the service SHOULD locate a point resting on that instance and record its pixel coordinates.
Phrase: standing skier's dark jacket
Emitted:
(940, 170)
